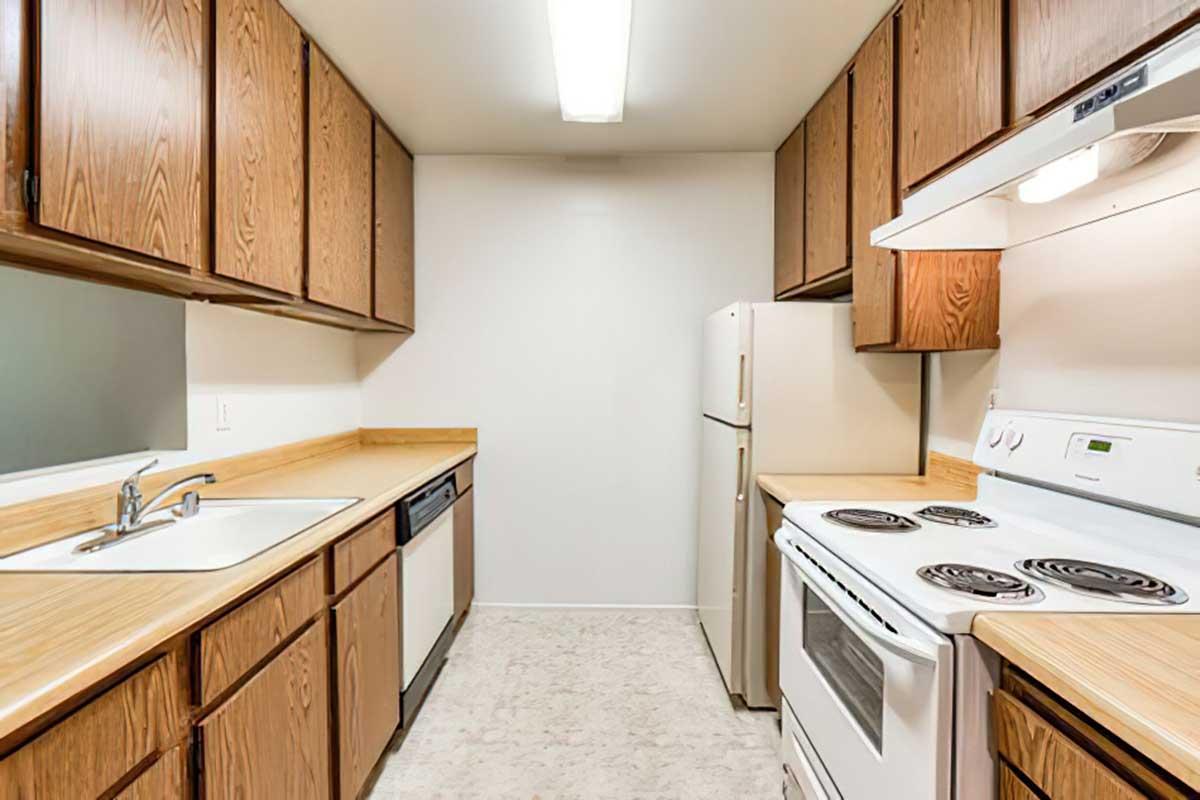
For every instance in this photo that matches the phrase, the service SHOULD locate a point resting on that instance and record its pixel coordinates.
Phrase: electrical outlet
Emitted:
(223, 409)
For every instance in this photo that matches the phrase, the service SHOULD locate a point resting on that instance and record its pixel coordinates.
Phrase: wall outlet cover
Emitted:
(223, 413)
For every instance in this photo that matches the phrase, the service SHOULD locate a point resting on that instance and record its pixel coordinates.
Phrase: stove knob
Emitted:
(1013, 439)
(994, 436)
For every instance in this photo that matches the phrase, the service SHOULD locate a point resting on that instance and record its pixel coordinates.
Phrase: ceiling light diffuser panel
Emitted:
(591, 57)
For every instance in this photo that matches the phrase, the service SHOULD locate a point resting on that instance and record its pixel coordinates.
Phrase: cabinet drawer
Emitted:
(464, 476)
(1012, 787)
(166, 779)
(1053, 763)
(86, 754)
(237, 641)
(363, 549)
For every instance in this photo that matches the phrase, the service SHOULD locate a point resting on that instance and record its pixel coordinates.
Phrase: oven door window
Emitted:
(851, 669)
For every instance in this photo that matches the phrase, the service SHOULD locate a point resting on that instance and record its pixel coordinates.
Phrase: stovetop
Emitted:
(1032, 528)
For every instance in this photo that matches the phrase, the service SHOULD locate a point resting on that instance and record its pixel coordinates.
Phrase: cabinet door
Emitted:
(951, 81)
(872, 160)
(464, 553)
(122, 131)
(259, 153)
(271, 738)
(367, 648)
(339, 190)
(165, 779)
(1059, 45)
(827, 183)
(394, 299)
(789, 213)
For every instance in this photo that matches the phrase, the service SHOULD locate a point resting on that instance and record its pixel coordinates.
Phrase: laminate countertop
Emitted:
(62, 634)
(786, 488)
(1138, 675)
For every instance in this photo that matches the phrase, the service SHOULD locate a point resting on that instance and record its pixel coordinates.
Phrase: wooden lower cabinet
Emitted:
(1050, 750)
(464, 554)
(271, 737)
(367, 653)
(774, 578)
(165, 779)
(92, 751)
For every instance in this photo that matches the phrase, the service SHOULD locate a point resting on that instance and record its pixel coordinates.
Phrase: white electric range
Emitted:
(886, 692)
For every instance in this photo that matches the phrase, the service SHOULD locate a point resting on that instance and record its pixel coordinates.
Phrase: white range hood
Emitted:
(1114, 149)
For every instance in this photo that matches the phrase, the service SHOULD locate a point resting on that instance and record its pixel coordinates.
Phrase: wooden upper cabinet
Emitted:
(827, 183)
(259, 170)
(1058, 46)
(122, 125)
(340, 156)
(872, 160)
(271, 737)
(951, 81)
(394, 298)
(789, 212)
(367, 653)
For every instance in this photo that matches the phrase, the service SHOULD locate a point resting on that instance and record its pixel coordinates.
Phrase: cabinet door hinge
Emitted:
(32, 189)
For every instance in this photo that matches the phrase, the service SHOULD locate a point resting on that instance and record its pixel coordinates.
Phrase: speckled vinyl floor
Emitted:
(553, 704)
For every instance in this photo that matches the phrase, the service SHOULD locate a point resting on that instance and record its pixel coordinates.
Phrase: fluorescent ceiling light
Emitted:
(591, 57)
(1059, 177)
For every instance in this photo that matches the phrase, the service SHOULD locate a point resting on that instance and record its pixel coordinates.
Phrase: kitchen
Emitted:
(802, 401)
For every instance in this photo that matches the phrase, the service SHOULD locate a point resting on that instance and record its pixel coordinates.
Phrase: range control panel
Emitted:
(1144, 462)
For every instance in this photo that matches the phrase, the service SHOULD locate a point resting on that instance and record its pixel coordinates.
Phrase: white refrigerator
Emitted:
(783, 391)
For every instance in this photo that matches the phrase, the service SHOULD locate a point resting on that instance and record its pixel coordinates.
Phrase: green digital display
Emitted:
(1099, 446)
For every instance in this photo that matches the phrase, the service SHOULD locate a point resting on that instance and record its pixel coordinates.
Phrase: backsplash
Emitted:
(1096, 320)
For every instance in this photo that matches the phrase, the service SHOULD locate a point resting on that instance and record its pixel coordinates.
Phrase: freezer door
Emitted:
(720, 589)
(726, 367)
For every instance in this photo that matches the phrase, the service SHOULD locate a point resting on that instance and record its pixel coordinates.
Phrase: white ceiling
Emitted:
(477, 76)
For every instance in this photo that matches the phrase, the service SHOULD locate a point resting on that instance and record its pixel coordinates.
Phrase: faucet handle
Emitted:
(131, 484)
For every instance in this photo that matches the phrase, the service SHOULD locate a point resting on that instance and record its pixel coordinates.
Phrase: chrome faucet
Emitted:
(131, 510)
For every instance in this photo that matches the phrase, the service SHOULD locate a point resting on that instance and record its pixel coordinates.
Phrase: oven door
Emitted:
(870, 684)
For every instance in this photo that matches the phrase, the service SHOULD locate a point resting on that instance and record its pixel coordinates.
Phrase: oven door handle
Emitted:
(867, 626)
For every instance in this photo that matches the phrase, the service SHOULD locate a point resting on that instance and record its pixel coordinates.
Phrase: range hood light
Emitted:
(1062, 176)
(591, 57)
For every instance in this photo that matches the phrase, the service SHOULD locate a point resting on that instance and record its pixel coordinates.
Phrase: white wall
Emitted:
(1099, 320)
(285, 380)
(560, 311)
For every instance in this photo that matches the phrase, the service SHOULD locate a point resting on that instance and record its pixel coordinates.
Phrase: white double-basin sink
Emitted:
(223, 533)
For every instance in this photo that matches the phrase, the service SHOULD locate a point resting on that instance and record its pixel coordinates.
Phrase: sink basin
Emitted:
(223, 533)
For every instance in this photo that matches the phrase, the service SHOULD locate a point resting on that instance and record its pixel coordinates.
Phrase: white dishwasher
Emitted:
(426, 538)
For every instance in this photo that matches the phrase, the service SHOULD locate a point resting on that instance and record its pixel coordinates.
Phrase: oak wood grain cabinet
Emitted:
(259, 151)
(233, 644)
(774, 581)
(340, 157)
(464, 553)
(872, 159)
(394, 298)
(355, 555)
(789, 212)
(93, 750)
(367, 657)
(827, 183)
(271, 737)
(122, 131)
(1048, 746)
(951, 55)
(165, 779)
(1058, 46)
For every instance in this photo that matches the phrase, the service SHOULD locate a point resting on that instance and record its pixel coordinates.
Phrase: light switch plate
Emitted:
(223, 413)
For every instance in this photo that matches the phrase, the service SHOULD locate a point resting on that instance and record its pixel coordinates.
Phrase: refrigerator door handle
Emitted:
(741, 474)
(741, 394)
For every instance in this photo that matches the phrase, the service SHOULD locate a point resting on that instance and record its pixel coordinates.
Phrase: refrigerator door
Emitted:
(720, 585)
(726, 365)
